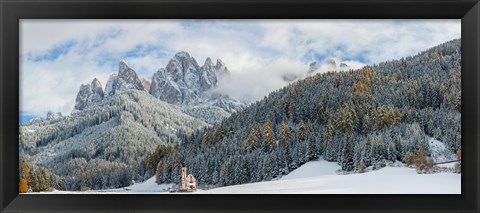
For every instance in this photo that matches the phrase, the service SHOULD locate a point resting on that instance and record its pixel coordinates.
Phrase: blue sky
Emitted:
(57, 56)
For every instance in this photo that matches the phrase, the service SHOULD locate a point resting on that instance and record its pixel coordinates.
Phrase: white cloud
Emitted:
(254, 83)
(257, 52)
(382, 39)
(53, 85)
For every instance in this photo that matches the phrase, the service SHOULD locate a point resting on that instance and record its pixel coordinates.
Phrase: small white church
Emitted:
(189, 183)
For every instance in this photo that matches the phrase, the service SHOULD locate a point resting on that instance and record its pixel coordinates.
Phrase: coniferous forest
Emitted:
(361, 118)
(358, 118)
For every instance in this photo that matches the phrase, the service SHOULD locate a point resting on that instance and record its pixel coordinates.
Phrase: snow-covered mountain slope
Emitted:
(155, 118)
(183, 82)
(209, 114)
(121, 129)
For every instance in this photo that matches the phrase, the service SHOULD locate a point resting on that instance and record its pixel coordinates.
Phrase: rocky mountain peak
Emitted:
(126, 79)
(182, 54)
(182, 68)
(123, 66)
(208, 62)
(184, 82)
(111, 83)
(96, 87)
(313, 67)
(129, 76)
(88, 94)
(221, 68)
(96, 83)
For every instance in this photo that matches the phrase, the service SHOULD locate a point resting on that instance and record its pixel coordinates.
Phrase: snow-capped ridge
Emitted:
(182, 54)
(123, 65)
(128, 78)
(183, 82)
(89, 94)
(208, 62)
(221, 69)
(109, 87)
(125, 79)
(329, 64)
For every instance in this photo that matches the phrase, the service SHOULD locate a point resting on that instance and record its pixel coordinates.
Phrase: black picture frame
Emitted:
(13, 10)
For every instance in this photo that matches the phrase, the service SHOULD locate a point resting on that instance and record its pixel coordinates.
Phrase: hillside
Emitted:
(118, 132)
(357, 118)
(320, 177)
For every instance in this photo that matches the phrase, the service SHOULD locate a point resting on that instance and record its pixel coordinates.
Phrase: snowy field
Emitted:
(320, 177)
(147, 187)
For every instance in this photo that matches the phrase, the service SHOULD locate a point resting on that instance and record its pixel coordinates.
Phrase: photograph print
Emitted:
(240, 106)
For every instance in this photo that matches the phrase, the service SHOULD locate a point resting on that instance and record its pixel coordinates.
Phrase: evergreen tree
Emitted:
(285, 134)
(301, 132)
(218, 134)
(158, 173)
(330, 130)
(321, 111)
(206, 138)
(346, 119)
(269, 136)
(251, 140)
(347, 154)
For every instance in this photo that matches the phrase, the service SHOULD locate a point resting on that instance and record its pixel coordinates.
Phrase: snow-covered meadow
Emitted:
(322, 177)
